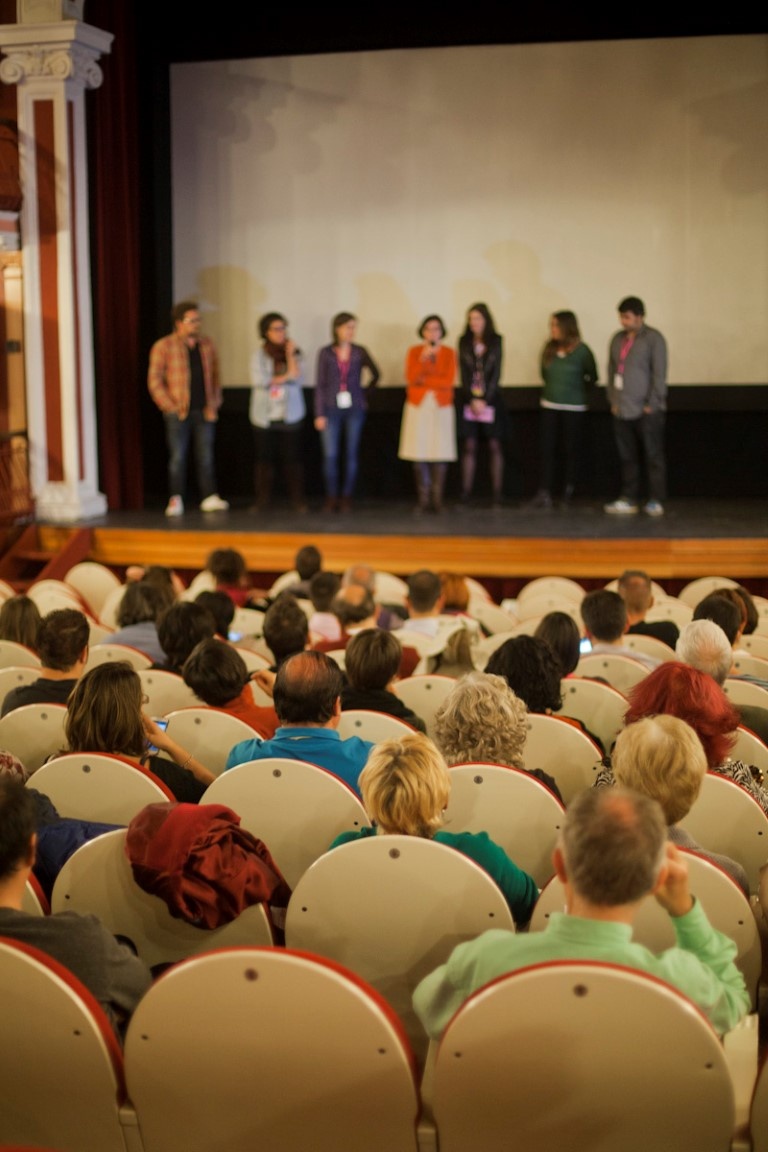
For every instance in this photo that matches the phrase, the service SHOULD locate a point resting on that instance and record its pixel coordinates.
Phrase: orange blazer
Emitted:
(422, 376)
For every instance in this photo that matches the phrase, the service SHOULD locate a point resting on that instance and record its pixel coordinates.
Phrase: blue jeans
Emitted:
(352, 420)
(643, 436)
(178, 434)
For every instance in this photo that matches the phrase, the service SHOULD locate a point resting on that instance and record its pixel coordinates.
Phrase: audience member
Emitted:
(704, 646)
(62, 645)
(662, 757)
(142, 603)
(307, 697)
(217, 674)
(160, 576)
(355, 610)
(286, 628)
(323, 623)
(561, 632)
(308, 562)
(424, 602)
(229, 570)
(104, 714)
(481, 721)
(605, 621)
(636, 590)
(455, 594)
(729, 614)
(372, 666)
(405, 788)
(612, 854)
(110, 970)
(389, 616)
(180, 628)
(674, 689)
(20, 621)
(221, 607)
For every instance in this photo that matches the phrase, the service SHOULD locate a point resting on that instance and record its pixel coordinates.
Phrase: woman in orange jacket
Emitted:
(428, 430)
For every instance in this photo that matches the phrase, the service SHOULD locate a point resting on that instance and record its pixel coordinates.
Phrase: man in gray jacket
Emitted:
(637, 393)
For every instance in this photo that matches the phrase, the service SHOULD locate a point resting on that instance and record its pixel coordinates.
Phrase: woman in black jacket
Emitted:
(483, 414)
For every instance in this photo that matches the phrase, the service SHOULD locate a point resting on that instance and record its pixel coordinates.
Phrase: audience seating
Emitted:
(723, 901)
(588, 1057)
(98, 786)
(98, 633)
(61, 1069)
(513, 807)
(750, 665)
(254, 661)
(13, 655)
(563, 751)
(297, 808)
(536, 607)
(600, 707)
(93, 582)
(492, 617)
(755, 645)
(203, 581)
(672, 609)
(369, 725)
(745, 692)
(286, 580)
(34, 732)
(758, 1119)
(16, 675)
(621, 672)
(648, 646)
(97, 878)
(557, 587)
(750, 748)
(424, 695)
(389, 589)
(726, 818)
(657, 591)
(35, 902)
(392, 908)
(208, 733)
(249, 622)
(695, 590)
(102, 653)
(111, 606)
(254, 1048)
(166, 692)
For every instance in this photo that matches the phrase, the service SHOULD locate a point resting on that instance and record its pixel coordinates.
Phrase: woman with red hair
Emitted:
(675, 689)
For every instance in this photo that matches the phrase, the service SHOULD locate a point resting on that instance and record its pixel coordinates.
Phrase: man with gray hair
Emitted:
(612, 854)
(704, 646)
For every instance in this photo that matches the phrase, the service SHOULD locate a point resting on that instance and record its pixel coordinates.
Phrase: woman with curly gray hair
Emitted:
(483, 721)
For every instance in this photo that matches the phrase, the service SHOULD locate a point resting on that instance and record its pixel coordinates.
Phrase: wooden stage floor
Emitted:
(509, 545)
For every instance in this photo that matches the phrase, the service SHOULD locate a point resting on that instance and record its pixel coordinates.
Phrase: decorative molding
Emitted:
(71, 62)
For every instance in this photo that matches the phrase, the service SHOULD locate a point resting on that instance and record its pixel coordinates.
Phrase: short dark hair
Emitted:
(339, 319)
(18, 822)
(428, 320)
(372, 658)
(604, 614)
(634, 587)
(424, 589)
(753, 616)
(179, 311)
(722, 610)
(215, 672)
(286, 628)
(322, 588)
(561, 632)
(532, 671)
(227, 566)
(180, 628)
(61, 638)
(142, 601)
(221, 607)
(308, 561)
(632, 304)
(307, 686)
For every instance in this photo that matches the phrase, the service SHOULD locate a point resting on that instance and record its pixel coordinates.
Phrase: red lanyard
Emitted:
(629, 340)
(343, 370)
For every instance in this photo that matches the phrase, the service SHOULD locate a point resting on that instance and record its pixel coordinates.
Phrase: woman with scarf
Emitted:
(277, 411)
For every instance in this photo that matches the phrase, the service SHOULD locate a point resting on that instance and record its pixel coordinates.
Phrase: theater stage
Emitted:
(503, 548)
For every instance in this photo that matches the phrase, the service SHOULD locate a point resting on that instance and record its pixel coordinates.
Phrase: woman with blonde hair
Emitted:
(482, 721)
(405, 787)
(104, 714)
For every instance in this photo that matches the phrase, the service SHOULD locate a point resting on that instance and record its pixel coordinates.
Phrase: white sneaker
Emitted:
(175, 506)
(214, 503)
(654, 508)
(621, 507)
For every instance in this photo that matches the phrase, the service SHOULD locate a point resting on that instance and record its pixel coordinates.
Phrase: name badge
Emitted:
(343, 399)
(618, 381)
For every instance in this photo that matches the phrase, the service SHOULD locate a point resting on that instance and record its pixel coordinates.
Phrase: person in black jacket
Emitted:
(483, 414)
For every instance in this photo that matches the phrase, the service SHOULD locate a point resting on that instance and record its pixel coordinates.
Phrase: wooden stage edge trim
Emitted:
(500, 557)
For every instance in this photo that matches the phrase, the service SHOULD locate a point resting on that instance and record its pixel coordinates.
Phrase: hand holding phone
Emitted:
(151, 727)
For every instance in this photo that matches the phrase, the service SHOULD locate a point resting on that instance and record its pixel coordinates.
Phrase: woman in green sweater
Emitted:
(405, 787)
(569, 371)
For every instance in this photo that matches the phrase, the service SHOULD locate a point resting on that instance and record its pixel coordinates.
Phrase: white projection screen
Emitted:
(535, 177)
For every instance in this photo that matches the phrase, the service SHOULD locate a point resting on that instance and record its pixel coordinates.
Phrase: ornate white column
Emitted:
(52, 64)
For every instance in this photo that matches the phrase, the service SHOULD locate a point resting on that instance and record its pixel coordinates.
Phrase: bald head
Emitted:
(307, 690)
(354, 606)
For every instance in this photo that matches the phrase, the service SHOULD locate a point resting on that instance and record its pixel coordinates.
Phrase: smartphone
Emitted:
(585, 646)
(234, 636)
(162, 723)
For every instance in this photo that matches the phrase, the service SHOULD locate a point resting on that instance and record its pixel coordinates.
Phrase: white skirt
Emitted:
(428, 432)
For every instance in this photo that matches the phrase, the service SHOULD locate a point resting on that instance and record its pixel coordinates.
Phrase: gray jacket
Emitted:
(645, 374)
